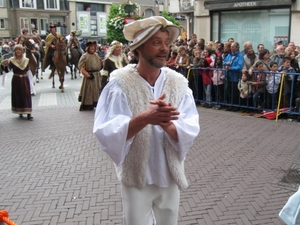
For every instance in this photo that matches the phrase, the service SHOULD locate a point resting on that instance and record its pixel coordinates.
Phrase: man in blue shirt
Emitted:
(234, 63)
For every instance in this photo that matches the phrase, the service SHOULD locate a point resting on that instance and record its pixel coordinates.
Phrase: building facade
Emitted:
(259, 21)
(90, 16)
(33, 14)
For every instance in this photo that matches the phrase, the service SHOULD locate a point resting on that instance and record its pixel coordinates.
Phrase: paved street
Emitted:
(52, 170)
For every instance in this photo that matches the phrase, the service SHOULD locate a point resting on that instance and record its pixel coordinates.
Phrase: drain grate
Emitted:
(292, 176)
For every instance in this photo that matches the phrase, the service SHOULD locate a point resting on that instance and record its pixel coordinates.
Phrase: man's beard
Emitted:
(153, 61)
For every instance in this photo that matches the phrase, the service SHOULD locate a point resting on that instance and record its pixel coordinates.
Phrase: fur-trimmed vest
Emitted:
(133, 170)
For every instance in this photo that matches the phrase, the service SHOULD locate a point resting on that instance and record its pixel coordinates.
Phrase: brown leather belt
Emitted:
(20, 75)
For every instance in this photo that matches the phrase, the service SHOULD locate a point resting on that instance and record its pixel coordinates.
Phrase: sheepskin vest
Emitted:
(133, 170)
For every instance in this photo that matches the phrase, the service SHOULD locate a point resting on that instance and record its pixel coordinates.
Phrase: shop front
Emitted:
(261, 22)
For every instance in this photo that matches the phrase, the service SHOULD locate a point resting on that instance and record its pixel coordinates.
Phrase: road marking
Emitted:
(6, 103)
(48, 99)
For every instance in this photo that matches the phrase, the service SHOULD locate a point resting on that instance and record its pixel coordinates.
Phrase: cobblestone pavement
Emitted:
(52, 170)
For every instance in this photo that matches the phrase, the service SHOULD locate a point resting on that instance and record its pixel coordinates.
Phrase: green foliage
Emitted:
(115, 23)
(167, 16)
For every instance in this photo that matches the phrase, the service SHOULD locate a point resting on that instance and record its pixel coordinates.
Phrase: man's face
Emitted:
(292, 45)
(260, 48)
(234, 48)
(155, 50)
(280, 50)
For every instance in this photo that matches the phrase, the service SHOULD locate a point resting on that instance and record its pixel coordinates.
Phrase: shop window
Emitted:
(2, 23)
(51, 4)
(228, 30)
(28, 4)
(251, 32)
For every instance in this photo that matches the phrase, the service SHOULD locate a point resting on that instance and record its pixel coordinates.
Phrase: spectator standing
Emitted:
(263, 57)
(206, 76)
(226, 50)
(249, 58)
(172, 60)
(182, 61)
(90, 65)
(148, 137)
(218, 81)
(278, 55)
(234, 63)
(245, 92)
(272, 80)
(288, 79)
(258, 85)
(247, 45)
(260, 47)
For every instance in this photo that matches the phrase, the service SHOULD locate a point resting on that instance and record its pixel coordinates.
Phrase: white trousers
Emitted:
(150, 205)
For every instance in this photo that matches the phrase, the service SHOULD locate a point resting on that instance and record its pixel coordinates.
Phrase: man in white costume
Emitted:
(146, 121)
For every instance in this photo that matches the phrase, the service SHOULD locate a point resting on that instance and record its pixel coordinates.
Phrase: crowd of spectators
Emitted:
(234, 77)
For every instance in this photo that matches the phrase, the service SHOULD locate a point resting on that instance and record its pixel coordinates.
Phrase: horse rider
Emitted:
(74, 43)
(50, 47)
(21, 39)
(36, 37)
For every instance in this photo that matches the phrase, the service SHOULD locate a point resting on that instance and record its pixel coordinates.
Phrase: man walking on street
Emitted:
(146, 121)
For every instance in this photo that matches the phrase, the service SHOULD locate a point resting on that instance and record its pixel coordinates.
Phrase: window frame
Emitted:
(4, 23)
(1, 3)
(26, 7)
(57, 4)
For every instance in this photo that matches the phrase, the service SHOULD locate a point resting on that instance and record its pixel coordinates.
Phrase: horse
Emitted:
(33, 61)
(73, 60)
(60, 62)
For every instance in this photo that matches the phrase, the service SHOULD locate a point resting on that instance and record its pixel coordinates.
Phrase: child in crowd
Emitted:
(258, 84)
(287, 85)
(245, 92)
(206, 76)
(272, 80)
(218, 81)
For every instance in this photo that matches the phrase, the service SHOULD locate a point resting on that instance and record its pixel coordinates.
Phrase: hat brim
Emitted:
(174, 32)
(140, 31)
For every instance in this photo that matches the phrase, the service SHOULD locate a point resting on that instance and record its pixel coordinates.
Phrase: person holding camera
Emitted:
(90, 65)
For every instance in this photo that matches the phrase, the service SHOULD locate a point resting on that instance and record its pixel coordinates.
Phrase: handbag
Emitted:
(290, 212)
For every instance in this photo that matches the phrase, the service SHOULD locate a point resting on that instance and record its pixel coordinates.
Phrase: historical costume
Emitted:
(114, 60)
(74, 43)
(50, 47)
(90, 65)
(21, 39)
(20, 93)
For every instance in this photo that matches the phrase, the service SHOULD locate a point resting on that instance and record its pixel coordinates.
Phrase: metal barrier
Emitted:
(272, 97)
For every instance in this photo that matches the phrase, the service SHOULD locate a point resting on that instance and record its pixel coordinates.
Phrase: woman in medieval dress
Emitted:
(90, 65)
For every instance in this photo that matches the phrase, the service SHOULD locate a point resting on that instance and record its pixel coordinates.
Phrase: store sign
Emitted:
(245, 4)
(224, 4)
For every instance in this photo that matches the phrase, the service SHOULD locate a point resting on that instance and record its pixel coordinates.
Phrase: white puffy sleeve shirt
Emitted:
(111, 126)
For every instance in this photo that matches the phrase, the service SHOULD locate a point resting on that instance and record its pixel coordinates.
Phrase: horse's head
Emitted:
(61, 45)
(28, 44)
(34, 43)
